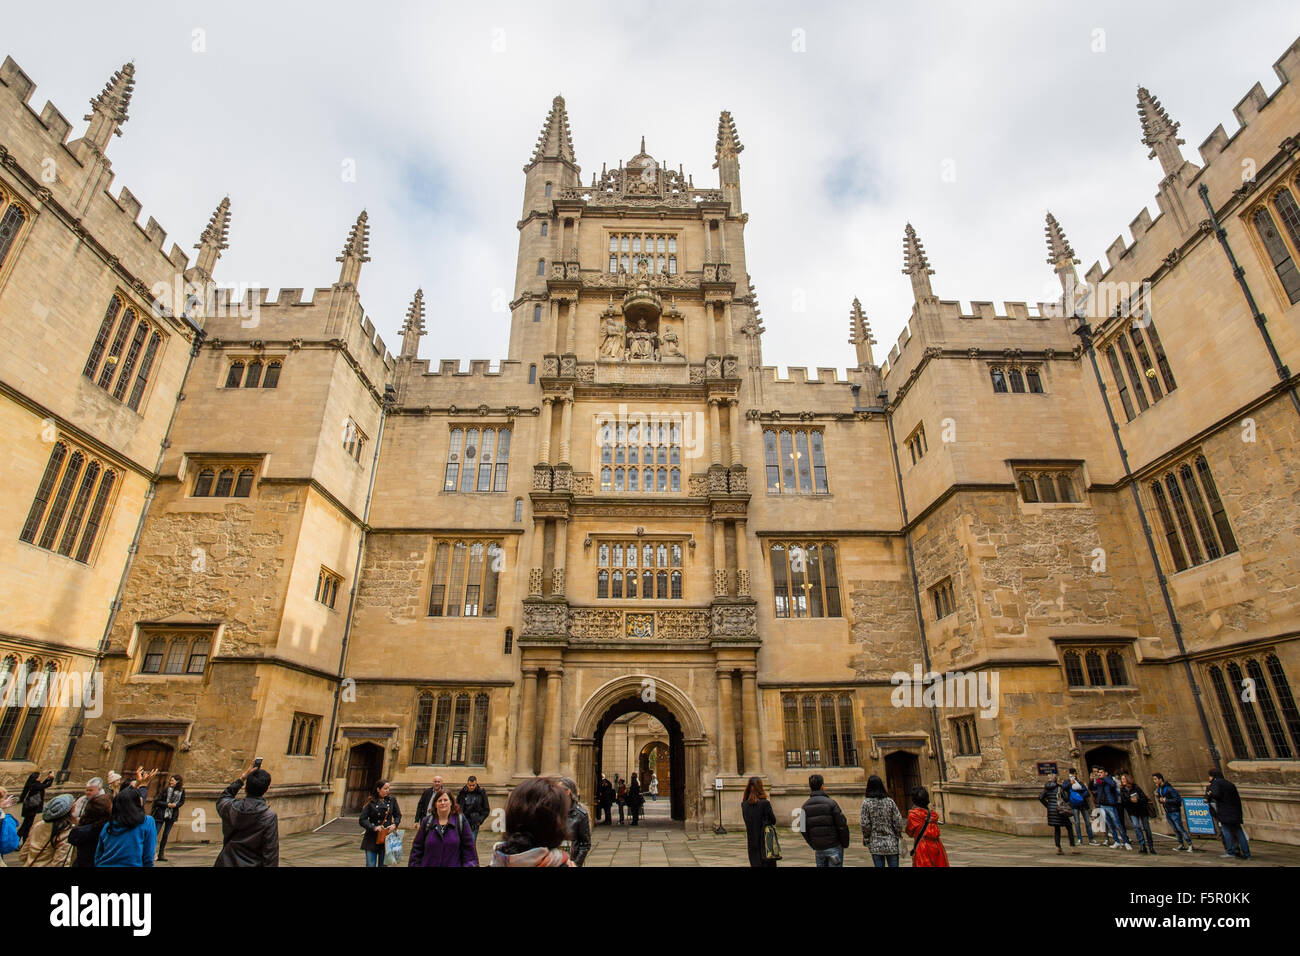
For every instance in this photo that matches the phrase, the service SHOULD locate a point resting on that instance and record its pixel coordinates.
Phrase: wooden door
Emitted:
(365, 764)
(902, 776)
(152, 755)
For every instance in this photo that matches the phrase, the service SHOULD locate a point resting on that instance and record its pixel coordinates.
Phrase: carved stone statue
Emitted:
(641, 341)
(668, 344)
(611, 342)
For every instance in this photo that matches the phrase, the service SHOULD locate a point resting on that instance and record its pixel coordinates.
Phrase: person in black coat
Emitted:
(473, 803)
(250, 830)
(1138, 805)
(1056, 798)
(33, 801)
(84, 837)
(379, 817)
(824, 827)
(634, 800)
(425, 803)
(167, 809)
(757, 813)
(604, 801)
(1225, 807)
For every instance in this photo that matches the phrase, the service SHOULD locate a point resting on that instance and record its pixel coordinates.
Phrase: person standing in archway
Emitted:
(654, 786)
(756, 810)
(635, 801)
(620, 791)
(605, 800)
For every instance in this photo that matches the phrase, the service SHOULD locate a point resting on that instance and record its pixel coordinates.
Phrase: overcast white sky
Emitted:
(845, 142)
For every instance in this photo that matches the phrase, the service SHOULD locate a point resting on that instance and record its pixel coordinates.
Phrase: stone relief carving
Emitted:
(684, 625)
(543, 619)
(597, 623)
(735, 621)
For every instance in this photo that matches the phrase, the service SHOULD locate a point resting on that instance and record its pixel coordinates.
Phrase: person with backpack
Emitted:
(756, 811)
(824, 827)
(380, 817)
(33, 800)
(923, 826)
(1106, 793)
(882, 824)
(1225, 807)
(1172, 802)
(1079, 807)
(473, 802)
(444, 837)
(47, 841)
(1139, 811)
(1056, 798)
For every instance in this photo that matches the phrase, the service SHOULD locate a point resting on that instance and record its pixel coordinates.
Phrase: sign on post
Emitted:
(1199, 821)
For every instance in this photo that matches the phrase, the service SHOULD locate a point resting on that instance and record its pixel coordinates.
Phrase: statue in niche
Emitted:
(641, 342)
(668, 344)
(611, 341)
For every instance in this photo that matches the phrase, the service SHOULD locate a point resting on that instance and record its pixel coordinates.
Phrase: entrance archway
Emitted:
(687, 743)
(655, 758)
(1113, 759)
(365, 765)
(151, 755)
(902, 776)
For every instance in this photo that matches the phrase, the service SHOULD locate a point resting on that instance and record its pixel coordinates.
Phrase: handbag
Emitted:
(393, 848)
(1063, 803)
(771, 843)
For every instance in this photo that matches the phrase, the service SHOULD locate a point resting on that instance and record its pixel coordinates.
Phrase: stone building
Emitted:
(361, 565)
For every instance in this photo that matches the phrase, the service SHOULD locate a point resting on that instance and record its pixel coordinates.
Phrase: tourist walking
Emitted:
(824, 827)
(1056, 798)
(604, 800)
(425, 804)
(250, 831)
(32, 800)
(473, 803)
(1079, 807)
(444, 836)
(537, 824)
(166, 808)
(654, 786)
(923, 827)
(620, 790)
(47, 840)
(1225, 807)
(379, 817)
(84, 837)
(579, 825)
(1138, 804)
(756, 811)
(1172, 803)
(635, 801)
(130, 838)
(882, 824)
(1106, 792)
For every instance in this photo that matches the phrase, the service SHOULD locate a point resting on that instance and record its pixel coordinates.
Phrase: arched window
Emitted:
(661, 480)
(519, 509)
(503, 460)
(675, 479)
(254, 377)
(225, 482)
(245, 483)
(532, 375)
(616, 584)
(438, 590)
(102, 337)
(146, 366)
(115, 350)
(676, 592)
(235, 374)
(1284, 697)
(272, 378)
(10, 224)
(633, 478)
(203, 484)
(198, 658)
(537, 313)
(96, 516)
(602, 584)
(541, 267)
(1074, 670)
(1272, 722)
(177, 653)
(1229, 714)
(1096, 673)
(1028, 491)
(1065, 486)
(1046, 488)
(62, 497)
(1115, 665)
(153, 656)
(37, 698)
(672, 265)
(78, 513)
(1017, 381)
(1253, 729)
(453, 460)
(606, 478)
(1278, 254)
(544, 225)
(423, 726)
(1035, 383)
(478, 730)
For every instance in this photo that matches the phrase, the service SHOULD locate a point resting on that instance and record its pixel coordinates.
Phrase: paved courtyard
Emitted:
(660, 842)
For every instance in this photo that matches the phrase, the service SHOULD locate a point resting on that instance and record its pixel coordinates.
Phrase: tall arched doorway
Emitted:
(676, 748)
(151, 755)
(365, 765)
(1112, 759)
(655, 758)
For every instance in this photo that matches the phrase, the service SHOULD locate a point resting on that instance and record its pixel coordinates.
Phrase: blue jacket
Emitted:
(1169, 798)
(134, 847)
(8, 834)
(1106, 792)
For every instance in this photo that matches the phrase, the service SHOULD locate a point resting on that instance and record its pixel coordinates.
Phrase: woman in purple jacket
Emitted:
(444, 837)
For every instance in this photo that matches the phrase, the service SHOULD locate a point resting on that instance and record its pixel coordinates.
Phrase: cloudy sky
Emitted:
(969, 120)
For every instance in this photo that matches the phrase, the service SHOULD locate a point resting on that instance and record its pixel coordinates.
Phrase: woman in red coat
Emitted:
(929, 849)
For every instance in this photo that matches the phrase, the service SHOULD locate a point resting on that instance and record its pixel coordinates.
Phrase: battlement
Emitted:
(798, 375)
(1222, 157)
(478, 368)
(36, 139)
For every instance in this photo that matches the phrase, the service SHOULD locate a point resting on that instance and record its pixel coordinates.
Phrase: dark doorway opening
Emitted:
(1114, 760)
(365, 764)
(676, 749)
(151, 755)
(902, 776)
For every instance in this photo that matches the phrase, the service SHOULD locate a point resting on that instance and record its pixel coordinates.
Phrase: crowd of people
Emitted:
(1109, 808)
(545, 823)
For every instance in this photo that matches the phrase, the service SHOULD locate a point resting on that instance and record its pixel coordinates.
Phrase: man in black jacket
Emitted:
(424, 804)
(473, 803)
(32, 800)
(824, 827)
(250, 832)
(1225, 806)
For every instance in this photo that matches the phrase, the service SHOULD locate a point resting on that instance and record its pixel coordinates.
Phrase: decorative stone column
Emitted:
(561, 551)
(749, 712)
(708, 328)
(527, 725)
(715, 436)
(742, 560)
(535, 568)
(719, 559)
(544, 445)
(551, 733)
(733, 408)
(566, 428)
(571, 344)
(726, 728)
